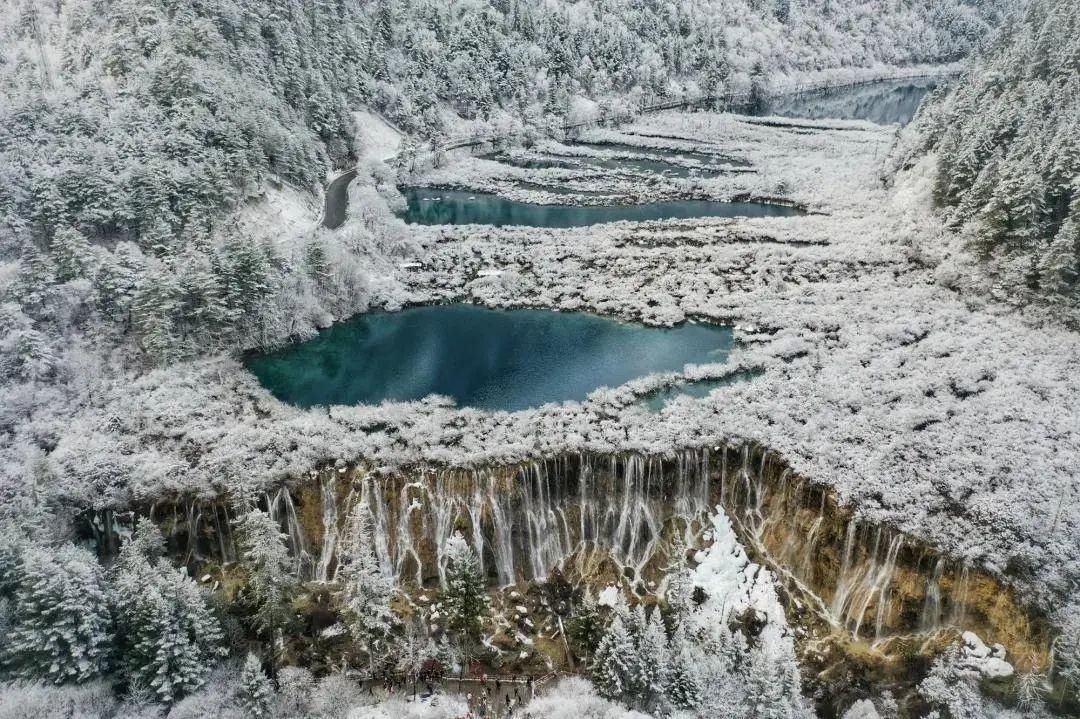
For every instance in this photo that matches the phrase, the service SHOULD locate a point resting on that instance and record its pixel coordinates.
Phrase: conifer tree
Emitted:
(615, 664)
(464, 596)
(684, 688)
(266, 560)
(255, 694)
(653, 665)
(168, 637)
(367, 589)
(72, 255)
(585, 628)
(61, 628)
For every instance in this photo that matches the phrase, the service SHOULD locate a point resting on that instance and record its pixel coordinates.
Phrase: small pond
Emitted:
(489, 359)
(885, 103)
(656, 401)
(431, 206)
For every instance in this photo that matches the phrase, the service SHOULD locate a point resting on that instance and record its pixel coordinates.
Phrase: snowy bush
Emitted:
(335, 695)
(43, 701)
(440, 707)
(575, 698)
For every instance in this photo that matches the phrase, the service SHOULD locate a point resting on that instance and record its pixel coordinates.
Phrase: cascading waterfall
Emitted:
(606, 517)
(282, 509)
(329, 502)
(525, 523)
(931, 611)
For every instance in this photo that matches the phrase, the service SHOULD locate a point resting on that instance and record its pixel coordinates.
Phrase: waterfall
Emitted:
(328, 500)
(282, 510)
(930, 619)
(566, 513)
(959, 604)
(604, 517)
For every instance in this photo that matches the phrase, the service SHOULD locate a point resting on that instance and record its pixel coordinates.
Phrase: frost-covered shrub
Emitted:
(445, 707)
(295, 685)
(575, 698)
(335, 695)
(216, 698)
(862, 709)
(29, 700)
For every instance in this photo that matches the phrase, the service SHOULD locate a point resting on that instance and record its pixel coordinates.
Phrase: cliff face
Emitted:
(871, 607)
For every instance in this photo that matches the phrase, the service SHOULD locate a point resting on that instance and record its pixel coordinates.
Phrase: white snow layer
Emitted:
(938, 412)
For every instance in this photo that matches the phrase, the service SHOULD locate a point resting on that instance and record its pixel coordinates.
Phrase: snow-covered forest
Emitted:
(868, 510)
(1007, 142)
(134, 132)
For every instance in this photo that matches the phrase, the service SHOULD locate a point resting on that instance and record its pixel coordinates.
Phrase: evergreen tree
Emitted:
(367, 589)
(652, 666)
(585, 628)
(316, 262)
(61, 628)
(464, 596)
(255, 694)
(72, 254)
(615, 666)
(168, 636)
(684, 687)
(270, 581)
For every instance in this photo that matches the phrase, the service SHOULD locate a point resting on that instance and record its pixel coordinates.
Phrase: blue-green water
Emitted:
(431, 206)
(656, 401)
(891, 102)
(489, 359)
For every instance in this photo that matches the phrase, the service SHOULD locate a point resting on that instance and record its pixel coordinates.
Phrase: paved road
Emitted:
(337, 200)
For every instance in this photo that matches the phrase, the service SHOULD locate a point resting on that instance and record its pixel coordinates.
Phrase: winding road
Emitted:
(336, 206)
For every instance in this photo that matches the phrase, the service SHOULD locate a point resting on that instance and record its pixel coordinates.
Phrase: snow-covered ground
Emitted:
(376, 138)
(937, 413)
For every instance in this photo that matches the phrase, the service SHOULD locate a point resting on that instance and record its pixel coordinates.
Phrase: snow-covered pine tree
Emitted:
(464, 596)
(61, 626)
(168, 637)
(270, 580)
(615, 666)
(772, 687)
(72, 254)
(367, 590)
(255, 695)
(653, 665)
(585, 627)
(683, 685)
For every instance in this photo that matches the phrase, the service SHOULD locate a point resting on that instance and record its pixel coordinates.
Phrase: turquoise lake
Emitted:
(431, 206)
(483, 358)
